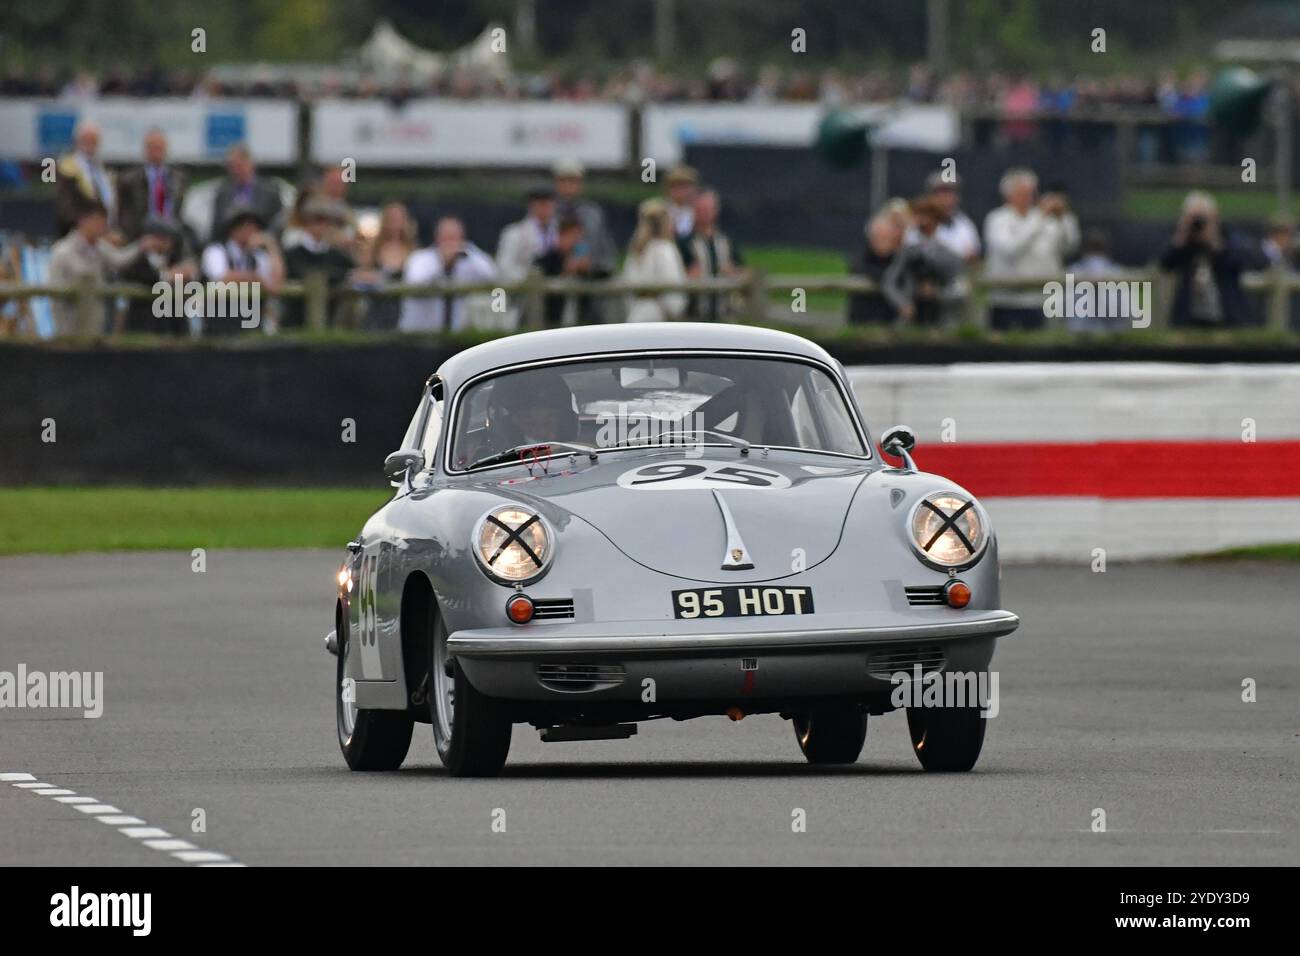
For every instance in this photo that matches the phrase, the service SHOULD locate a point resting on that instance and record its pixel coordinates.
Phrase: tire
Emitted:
(946, 739)
(369, 739)
(831, 733)
(470, 730)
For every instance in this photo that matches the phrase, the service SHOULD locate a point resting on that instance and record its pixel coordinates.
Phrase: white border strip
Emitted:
(996, 403)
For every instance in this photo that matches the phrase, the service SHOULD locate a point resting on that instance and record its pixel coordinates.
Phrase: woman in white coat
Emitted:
(654, 257)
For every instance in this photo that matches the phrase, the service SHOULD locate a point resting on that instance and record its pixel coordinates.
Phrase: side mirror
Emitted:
(899, 440)
(399, 463)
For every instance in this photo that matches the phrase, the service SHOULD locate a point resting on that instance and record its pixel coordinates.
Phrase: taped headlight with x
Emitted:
(947, 529)
(513, 544)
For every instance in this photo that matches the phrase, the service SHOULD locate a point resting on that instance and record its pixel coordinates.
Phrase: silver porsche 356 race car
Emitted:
(597, 526)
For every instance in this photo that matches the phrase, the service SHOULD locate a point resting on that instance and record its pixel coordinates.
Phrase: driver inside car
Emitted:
(527, 408)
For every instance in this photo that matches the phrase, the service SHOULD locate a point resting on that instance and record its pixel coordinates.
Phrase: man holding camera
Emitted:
(1209, 260)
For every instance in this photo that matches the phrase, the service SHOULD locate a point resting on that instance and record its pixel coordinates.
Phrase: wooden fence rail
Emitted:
(757, 289)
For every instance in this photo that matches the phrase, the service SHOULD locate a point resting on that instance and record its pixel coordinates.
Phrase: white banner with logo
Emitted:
(198, 130)
(498, 133)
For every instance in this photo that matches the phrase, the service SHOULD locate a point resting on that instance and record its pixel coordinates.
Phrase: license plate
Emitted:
(742, 602)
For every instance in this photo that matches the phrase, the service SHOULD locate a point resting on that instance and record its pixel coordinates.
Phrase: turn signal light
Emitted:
(520, 609)
(957, 593)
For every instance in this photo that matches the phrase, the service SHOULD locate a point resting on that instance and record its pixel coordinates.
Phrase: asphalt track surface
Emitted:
(1120, 691)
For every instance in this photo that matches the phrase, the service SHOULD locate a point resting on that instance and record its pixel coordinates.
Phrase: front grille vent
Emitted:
(548, 609)
(929, 595)
(576, 678)
(885, 664)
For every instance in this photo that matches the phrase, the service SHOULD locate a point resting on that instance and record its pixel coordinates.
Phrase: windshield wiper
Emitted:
(740, 443)
(515, 453)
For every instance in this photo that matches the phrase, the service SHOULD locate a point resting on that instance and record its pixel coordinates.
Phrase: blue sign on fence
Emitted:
(54, 130)
(224, 130)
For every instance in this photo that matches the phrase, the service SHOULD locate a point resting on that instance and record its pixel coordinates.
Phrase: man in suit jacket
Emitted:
(82, 180)
(152, 190)
(244, 189)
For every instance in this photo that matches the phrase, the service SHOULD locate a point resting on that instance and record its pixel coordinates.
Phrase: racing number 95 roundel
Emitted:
(700, 473)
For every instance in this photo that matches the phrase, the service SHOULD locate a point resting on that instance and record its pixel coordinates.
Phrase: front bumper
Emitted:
(711, 662)
(690, 638)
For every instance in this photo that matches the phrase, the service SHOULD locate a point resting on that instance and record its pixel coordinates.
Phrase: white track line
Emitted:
(155, 838)
(170, 844)
(139, 832)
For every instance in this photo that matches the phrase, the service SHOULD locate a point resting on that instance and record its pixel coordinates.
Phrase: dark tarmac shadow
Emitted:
(728, 769)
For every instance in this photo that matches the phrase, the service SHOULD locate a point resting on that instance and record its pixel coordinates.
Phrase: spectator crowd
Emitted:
(129, 226)
(919, 254)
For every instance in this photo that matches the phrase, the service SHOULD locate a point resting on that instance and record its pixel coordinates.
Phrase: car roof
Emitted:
(591, 340)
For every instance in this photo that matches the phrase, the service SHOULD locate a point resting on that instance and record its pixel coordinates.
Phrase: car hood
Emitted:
(663, 511)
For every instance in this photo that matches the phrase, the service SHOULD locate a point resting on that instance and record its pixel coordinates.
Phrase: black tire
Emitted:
(479, 738)
(379, 739)
(946, 739)
(831, 733)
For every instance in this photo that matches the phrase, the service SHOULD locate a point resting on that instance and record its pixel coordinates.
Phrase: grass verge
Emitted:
(65, 520)
(1261, 552)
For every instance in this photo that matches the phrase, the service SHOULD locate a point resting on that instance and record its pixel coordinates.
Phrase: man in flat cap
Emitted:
(164, 260)
(86, 257)
(320, 250)
(955, 230)
(246, 254)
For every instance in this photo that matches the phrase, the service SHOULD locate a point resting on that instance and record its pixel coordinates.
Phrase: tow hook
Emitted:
(332, 642)
(420, 695)
(735, 713)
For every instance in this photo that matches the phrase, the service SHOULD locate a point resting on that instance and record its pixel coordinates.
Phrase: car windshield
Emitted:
(653, 400)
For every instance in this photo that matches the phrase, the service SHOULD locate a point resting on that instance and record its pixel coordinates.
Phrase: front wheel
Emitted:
(831, 733)
(369, 739)
(470, 730)
(946, 738)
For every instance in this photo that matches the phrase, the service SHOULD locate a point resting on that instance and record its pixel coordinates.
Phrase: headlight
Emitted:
(512, 544)
(948, 529)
